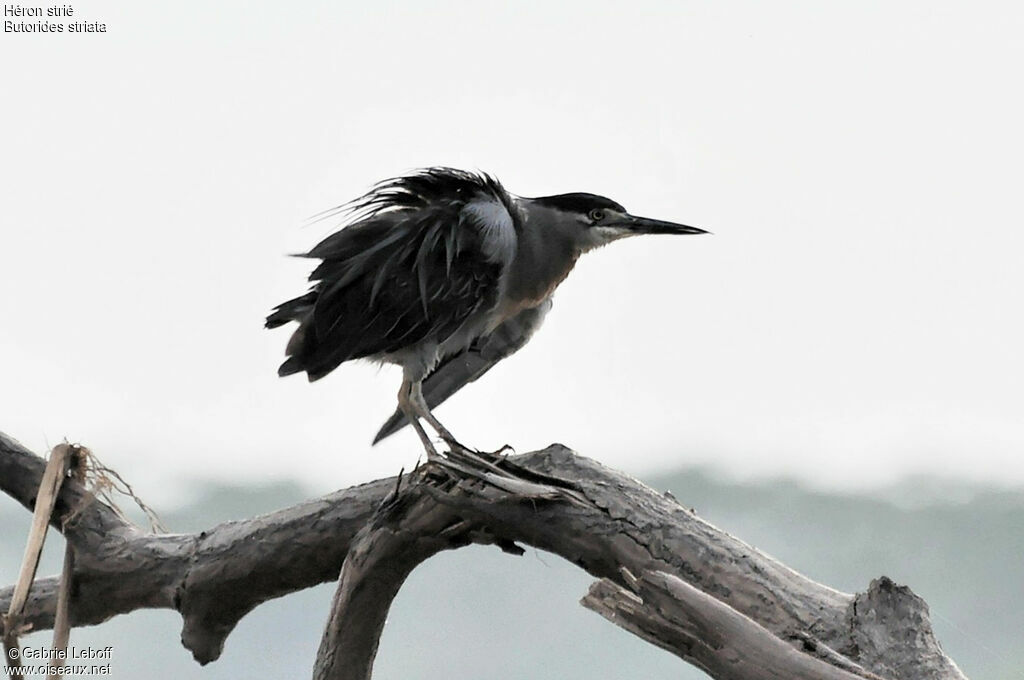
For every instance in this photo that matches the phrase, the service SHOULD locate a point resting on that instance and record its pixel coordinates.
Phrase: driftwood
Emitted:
(664, 574)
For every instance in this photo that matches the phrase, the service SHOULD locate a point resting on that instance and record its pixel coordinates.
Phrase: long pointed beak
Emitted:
(645, 225)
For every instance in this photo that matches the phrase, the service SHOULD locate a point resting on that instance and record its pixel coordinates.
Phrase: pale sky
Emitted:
(856, 316)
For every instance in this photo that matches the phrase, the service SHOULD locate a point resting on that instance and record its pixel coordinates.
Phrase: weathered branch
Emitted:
(215, 577)
(748, 616)
(53, 477)
(670, 613)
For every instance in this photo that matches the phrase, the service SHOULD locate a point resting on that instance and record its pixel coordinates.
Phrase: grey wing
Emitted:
(460, 369)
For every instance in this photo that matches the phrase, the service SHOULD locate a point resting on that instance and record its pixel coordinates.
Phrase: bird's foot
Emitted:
(458, 448)
(455, 446)
(433, 456)
(472, 457)
(489, 459)
(494, 468)
(496, 457)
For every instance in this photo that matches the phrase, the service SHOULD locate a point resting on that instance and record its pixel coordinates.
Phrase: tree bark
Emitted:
(666, 575)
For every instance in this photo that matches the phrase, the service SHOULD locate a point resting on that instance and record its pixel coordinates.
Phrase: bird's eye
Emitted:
(596, 215)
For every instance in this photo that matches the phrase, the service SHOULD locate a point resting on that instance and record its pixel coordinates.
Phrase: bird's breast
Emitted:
(533, 277)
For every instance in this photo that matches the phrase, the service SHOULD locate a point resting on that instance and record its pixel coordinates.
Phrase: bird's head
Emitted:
(592, 221)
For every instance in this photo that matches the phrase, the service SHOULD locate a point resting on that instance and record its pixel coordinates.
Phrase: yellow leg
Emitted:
(420, 405)
(409, 409)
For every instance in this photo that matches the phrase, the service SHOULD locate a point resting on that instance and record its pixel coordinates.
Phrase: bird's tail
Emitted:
(293, 310)
(299, 310)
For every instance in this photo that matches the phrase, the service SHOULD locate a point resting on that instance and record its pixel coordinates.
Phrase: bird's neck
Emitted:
(539, 266)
